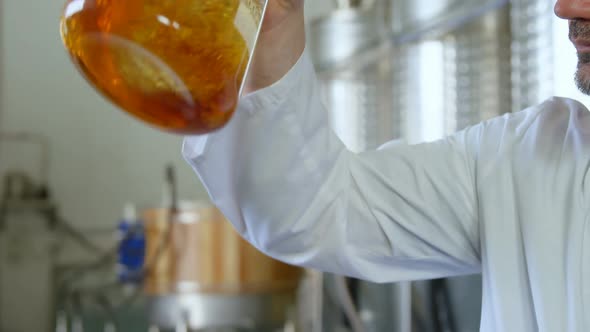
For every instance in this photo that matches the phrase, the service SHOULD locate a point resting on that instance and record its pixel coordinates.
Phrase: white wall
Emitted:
(101, 158)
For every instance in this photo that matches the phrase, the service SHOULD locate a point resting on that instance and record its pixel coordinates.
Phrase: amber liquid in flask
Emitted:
(178, 65)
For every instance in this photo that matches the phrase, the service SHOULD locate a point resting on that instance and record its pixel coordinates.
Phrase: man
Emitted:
(508, 198)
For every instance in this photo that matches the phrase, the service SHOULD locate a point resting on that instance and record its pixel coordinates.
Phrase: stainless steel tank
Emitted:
(477, 76)
(417, 19)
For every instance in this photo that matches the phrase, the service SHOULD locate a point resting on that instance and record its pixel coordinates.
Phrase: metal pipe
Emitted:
(402, 308)
(342, 4)
(347, 304)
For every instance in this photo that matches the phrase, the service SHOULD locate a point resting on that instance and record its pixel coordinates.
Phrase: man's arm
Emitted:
(290, 187)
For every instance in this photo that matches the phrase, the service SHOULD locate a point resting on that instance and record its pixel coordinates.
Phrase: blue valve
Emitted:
(132, 248)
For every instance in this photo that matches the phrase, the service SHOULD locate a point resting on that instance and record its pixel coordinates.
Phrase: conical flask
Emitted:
(178, 65)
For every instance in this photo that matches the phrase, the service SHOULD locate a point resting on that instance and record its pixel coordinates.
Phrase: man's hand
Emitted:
(281, 42)
(278, 11)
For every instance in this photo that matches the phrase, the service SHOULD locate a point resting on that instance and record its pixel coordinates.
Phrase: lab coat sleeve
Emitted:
(292, 189)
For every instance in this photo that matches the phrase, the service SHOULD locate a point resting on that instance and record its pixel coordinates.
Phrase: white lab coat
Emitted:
(507, 198)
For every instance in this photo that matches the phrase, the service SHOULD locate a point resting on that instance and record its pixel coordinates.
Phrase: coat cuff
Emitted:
(264, 100)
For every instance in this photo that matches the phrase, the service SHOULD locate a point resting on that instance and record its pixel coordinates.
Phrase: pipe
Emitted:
(347, 304)
(342, 4)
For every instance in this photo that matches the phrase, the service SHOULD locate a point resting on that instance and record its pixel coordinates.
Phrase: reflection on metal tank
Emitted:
(363, 95)
(478, 70)
(532, 52)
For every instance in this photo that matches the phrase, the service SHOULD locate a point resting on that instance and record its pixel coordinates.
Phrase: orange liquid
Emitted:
(175, 64)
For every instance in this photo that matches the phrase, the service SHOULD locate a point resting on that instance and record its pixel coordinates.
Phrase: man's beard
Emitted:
(583, 76)
(579, 29)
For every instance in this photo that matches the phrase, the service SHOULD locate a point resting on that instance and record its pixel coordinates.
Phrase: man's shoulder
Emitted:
(548, 135)
(556, 109)
(538, 129)
(556, 115)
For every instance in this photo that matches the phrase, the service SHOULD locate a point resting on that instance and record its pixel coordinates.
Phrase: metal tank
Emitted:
(356, 64)
(364, 87)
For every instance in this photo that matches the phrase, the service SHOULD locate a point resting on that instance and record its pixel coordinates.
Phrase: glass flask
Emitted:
(178, 65)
